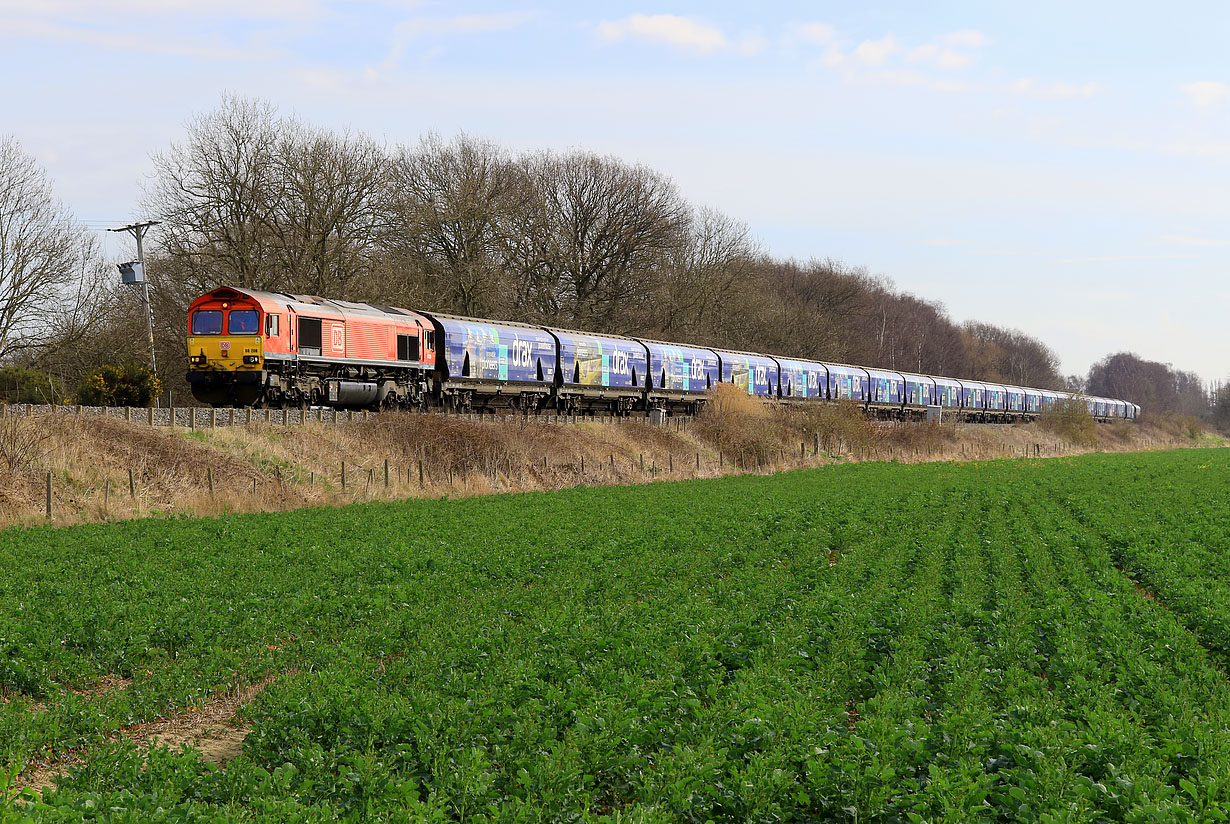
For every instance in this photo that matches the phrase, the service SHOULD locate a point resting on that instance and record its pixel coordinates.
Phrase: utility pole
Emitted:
(133, 273)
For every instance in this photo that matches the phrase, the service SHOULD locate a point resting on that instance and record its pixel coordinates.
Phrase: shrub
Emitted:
(19, 384)
(130, 384)
(23, 443)
(1069, 418)
(738, 423)
(836, 425)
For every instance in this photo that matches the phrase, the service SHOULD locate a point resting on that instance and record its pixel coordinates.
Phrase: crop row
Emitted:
(1014, 640)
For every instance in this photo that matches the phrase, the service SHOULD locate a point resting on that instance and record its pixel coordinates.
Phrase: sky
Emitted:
(1062, 168)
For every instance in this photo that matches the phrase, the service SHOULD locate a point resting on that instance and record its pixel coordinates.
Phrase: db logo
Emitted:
(338, 339)
(226, 347)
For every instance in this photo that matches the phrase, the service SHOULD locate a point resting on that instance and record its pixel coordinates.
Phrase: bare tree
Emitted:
(912, 334)
(594, 238)
(444, 203)
(811, 310)
(216, 195)
(44, 260)
(1157, 387)
(700, 276)
(325, 213)
(1010, 356)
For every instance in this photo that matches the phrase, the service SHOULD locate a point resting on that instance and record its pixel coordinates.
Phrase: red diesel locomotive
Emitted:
(247, 347)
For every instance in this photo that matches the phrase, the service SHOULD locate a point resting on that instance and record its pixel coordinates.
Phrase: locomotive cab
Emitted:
(225, 348)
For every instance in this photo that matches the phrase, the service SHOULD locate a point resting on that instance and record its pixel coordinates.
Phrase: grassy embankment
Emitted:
(271, 468)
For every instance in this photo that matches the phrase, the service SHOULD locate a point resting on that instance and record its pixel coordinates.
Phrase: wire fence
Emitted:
(195, 417)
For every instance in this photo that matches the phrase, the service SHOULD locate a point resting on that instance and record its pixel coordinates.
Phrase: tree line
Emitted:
(251, 197)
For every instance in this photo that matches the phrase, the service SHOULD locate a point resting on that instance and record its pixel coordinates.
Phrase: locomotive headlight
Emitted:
(250, 359)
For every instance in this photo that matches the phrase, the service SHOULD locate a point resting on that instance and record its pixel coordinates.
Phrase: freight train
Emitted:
(255, 348)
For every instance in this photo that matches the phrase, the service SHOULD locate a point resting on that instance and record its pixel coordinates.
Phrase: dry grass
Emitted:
(265, 467)
(1069, 418)
(740, 425)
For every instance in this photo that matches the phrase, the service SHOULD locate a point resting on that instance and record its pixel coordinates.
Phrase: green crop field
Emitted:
(1003, 641)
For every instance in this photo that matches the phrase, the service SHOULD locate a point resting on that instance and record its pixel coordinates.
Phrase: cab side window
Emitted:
(408, 347)
(271, 325)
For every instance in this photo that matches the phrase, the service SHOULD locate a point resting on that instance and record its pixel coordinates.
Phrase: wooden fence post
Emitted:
(209, 476)
(49, 496)
(343, 474)
(132, 485)
(386, 473)
(420, 473)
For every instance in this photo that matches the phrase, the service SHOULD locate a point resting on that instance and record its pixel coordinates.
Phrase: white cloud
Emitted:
(875, 52)
(753, 43)
(921, 81)
(817, 34)
(968, 37)
(943, 52)
(109, 10)
(162, 27)
(1206, 93)
(128, 41)
(1027, 86)
(833, 58)
(668, 29)
(1204, 149)
(941, 57)
(408, 31)
(467, 24)
(886, 55)
(1187, 240)
(943, 242)
(1124, 259)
